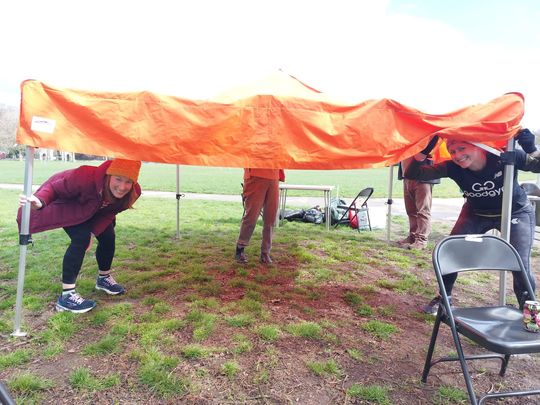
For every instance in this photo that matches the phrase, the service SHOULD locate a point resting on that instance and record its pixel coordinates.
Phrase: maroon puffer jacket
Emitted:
(72, 197)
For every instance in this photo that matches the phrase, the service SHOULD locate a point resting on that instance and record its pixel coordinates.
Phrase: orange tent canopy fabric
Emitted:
(278, 122)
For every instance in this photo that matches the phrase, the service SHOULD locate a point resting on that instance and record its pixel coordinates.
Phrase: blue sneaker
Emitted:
(73, 302)
(109, 285)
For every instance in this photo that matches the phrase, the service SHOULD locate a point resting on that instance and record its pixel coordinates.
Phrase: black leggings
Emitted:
(80, 238)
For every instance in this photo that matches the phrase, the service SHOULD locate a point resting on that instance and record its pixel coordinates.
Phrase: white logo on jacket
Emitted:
(483, 190)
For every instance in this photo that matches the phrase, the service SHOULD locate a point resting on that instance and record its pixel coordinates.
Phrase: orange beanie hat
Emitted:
(126, 168)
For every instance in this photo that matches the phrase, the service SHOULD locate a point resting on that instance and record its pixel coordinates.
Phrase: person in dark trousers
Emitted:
(84, 202)
(261, 191)
(417, 196)
(480, 176)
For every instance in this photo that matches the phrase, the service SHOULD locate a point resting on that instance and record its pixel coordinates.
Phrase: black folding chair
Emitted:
(498, 329)
(359, 204)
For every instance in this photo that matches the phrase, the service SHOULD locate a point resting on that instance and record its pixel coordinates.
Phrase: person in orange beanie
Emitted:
(84, 202)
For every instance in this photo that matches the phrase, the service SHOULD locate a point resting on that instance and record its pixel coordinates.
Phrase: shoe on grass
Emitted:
(109, 285)
(240, 255)
(265, 258)
(407, 241)
(73, 302)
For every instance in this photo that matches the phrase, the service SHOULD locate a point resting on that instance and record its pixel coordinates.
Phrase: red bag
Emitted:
(281, 175)
(353, 217)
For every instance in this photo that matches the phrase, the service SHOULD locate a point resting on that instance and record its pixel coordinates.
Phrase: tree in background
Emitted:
(9, 120)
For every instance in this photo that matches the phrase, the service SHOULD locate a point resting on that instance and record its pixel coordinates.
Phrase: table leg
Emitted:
(277, 221)
(284, 201)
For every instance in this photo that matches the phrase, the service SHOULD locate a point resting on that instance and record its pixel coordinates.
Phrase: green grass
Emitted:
(309, 330)
(104, 347)
(381, 330)
(193, 318)
(356, 301)
(26, 387)
(230, 369)
(374, 394)
(82, 380)
(221, 180)
(241, 344)
(240, 320)
(156, 372)
(447, 395)
(194, 351)
(15, 358)
(355, 354)
(269, 333)
(323, 368)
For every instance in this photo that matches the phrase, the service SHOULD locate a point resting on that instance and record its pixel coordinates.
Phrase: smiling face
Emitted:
(467, 156)
(120, 185)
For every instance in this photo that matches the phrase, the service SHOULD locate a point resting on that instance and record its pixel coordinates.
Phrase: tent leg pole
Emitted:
(506, 215)
(178, 195)
(24, 240)
(389, 203)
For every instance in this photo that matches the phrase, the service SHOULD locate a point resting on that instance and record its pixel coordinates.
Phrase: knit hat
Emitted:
(126, 168)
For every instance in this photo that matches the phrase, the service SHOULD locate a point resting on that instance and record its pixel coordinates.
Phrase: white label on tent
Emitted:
(40, 124)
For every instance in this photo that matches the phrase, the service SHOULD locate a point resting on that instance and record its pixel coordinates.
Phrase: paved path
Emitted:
(445, 209)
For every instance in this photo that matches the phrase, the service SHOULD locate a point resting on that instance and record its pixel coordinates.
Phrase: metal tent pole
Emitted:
(506, 209)
(178, 196)
(389, 203)
(24, 240)
(506, 215)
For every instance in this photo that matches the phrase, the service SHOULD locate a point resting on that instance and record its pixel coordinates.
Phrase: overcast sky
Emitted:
(434, 55)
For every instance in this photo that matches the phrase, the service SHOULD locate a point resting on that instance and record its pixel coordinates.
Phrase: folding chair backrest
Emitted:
(362, 197)
(475, 252)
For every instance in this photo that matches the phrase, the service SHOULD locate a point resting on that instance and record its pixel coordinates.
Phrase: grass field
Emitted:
(333, 320)
(220, 180)
(194, 325)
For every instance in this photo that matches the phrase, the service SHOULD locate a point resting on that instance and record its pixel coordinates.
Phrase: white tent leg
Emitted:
(506, 215)
(24, 240)
(389, 203)
(178, 195)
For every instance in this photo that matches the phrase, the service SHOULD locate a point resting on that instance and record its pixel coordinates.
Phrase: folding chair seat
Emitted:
(498, 329)
(358, 205)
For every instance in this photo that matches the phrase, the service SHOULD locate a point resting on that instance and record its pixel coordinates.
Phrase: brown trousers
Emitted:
(417, 197)
(259, 193)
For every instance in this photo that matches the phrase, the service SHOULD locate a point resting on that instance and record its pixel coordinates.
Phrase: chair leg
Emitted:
(464, 367)
(504, 365)
(508, 395)
(431, 349)
(341, 219)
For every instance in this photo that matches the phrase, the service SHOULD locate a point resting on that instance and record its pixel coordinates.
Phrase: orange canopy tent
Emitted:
(278, 122)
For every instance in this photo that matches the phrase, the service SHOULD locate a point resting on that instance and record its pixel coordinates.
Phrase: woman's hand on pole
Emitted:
(35, 203)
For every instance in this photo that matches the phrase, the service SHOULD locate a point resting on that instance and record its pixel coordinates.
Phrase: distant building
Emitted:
(52, 154)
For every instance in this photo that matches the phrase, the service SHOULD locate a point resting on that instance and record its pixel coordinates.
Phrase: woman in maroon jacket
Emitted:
(84, 201)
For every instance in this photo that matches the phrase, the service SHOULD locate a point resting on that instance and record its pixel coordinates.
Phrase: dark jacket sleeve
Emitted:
(417, 171)
(526, 140)
(529, 164)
